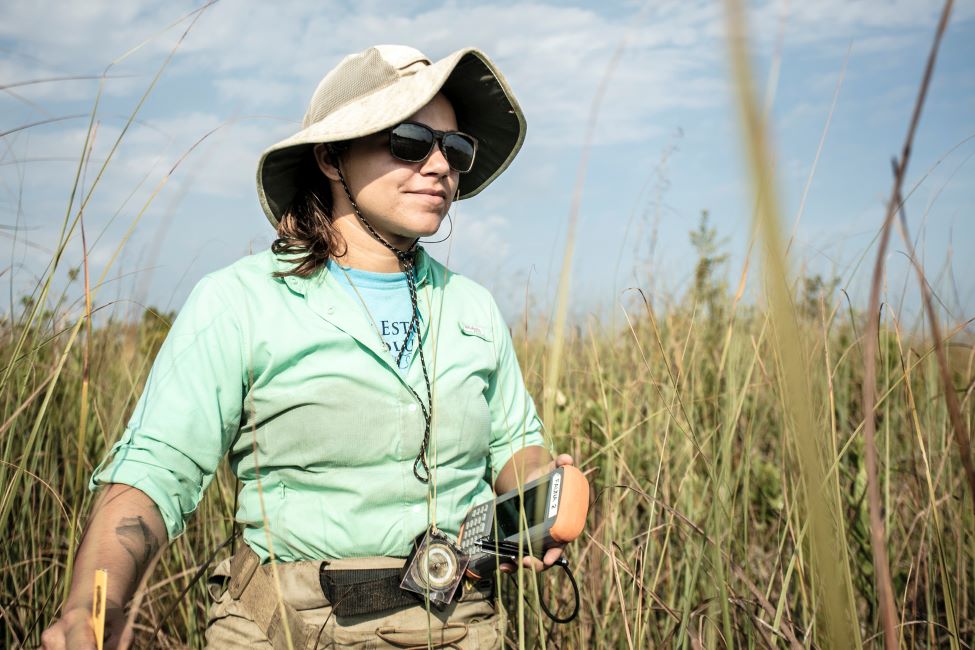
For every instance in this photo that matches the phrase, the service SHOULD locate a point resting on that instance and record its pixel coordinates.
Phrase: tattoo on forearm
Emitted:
(138, 540)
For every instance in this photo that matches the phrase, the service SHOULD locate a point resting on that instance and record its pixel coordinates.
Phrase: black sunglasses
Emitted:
(413, 142)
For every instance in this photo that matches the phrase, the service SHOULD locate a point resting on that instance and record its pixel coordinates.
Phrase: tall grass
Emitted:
(697, 536)
(724, 441)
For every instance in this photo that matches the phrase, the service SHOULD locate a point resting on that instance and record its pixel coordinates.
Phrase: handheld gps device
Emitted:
(544, 512)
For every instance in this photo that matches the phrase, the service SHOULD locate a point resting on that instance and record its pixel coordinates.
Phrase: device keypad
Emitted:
(475, 529)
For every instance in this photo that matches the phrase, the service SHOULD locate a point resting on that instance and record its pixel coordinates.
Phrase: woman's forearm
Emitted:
(123, 534)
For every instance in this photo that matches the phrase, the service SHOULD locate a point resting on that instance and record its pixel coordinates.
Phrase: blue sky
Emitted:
(667, 142)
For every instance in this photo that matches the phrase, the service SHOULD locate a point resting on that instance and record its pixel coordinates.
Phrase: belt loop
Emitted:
(254, 588)
(242, 568)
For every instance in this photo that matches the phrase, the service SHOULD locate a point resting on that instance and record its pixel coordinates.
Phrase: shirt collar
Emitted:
(302, 285)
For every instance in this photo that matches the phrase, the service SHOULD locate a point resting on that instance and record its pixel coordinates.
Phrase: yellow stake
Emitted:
(98, 606)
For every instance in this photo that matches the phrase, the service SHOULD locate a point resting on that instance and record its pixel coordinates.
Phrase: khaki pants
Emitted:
(471, 623)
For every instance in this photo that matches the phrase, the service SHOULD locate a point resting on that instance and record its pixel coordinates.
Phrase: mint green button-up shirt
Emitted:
(291, 379)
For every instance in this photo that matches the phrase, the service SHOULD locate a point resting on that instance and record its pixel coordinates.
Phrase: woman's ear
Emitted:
(327, 160)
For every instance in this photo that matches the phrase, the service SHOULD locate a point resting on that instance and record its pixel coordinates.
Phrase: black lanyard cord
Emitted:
(407, 260)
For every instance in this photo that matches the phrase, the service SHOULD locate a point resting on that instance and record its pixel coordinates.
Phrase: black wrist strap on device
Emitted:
(511, 551)
(564, 564)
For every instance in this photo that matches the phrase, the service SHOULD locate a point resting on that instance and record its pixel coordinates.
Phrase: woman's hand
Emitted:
(74, 630)
(554, 553)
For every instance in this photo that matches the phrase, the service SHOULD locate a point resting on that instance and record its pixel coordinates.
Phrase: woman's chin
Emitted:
(424, 228)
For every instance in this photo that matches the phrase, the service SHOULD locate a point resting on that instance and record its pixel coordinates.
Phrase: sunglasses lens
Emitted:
(410, 142)
(414, 142)
(459, 151)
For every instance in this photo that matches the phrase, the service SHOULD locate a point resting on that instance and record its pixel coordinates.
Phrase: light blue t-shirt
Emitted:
(387, 300)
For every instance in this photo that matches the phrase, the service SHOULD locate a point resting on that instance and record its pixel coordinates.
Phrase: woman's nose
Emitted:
(436, 162)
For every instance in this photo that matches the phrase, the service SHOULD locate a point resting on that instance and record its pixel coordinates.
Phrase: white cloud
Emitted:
(249, 67)
(66, 34)
(270, 55)
(829, 21)
(477, 241)
(265, 54)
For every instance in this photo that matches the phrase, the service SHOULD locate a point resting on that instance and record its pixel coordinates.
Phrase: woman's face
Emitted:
(401, 200)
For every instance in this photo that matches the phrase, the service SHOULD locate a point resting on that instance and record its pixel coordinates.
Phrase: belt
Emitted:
(363, 591)
(350, 591)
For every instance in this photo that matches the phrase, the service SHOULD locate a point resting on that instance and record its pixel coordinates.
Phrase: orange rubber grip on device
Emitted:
(573, 506)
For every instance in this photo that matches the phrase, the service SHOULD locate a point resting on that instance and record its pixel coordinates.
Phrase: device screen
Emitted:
(508, 513)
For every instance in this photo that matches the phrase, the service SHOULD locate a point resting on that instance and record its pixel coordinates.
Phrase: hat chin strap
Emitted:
(407, 260)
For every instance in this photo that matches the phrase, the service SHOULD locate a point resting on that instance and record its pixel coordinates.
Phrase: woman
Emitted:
(363, 392)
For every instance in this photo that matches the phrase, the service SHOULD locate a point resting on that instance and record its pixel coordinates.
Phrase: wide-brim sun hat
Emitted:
(380, 87)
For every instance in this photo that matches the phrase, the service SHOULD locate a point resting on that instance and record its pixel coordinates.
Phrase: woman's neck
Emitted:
(363, 251)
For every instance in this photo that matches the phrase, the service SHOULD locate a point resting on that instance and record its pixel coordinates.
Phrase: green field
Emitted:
(701, 528)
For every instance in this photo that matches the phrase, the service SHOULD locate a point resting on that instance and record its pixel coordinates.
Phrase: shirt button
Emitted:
(330, 310)
(412, 408)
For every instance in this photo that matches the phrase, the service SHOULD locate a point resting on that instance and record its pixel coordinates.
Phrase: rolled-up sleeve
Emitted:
(189, 411)
(514, 421)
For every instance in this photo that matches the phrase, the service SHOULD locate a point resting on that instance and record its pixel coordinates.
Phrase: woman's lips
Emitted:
(436, 197)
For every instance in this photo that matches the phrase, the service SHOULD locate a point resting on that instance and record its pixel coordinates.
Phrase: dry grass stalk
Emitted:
(831, 578)
(878, 535)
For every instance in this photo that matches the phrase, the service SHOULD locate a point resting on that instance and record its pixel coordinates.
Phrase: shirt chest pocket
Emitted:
(474, 347)
(475, 330)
